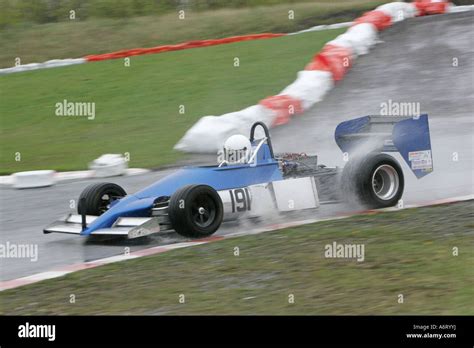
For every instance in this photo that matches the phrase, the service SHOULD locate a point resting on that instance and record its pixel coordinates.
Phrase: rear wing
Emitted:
(408, 135)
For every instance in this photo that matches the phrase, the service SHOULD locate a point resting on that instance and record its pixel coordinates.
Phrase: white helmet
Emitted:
(237, 149)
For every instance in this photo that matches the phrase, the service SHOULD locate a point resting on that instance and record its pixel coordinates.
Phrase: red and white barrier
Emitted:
(181, 46)
(430, 7)
(398, 11)
(378, 18)
(360, 38)
(45, 65)
(138, 52)
(326, 68)
(308, 89)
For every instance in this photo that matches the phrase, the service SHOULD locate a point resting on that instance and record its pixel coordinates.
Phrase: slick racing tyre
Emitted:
(196, 211)
(96, 198)
(375, 180)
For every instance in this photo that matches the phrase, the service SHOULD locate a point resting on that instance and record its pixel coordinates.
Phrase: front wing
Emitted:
(129, 227)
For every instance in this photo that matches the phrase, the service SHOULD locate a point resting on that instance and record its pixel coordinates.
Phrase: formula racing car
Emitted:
(251, 181)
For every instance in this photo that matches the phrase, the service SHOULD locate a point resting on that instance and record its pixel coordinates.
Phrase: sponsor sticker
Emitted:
(421, 160)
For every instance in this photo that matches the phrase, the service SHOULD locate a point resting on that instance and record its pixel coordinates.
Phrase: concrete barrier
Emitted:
(32, 179)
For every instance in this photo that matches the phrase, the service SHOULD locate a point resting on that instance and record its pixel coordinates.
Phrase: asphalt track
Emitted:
(412, 64)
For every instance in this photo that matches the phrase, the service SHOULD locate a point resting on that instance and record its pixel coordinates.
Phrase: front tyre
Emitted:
(375, 180)
(96, 198)
(195, 211)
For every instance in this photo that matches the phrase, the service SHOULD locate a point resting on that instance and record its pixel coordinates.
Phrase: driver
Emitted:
(237, 149)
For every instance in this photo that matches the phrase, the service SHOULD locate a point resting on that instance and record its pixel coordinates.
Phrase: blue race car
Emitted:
(250, 181)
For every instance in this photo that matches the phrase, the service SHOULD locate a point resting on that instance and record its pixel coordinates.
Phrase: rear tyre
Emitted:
(196, 211)
(375, 180)
(96, 198)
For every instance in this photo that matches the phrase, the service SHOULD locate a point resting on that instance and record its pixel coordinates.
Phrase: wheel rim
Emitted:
(385, 182)
(106, 199)
(203, 211)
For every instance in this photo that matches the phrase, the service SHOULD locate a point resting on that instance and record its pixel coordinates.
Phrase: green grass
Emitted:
(407, 252)
(137, 107)
(73, 39)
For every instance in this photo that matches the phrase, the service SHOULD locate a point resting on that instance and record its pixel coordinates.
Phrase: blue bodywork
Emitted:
(265, 169)
(411, 136)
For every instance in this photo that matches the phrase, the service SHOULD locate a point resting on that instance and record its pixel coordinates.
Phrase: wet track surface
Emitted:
(414, 63)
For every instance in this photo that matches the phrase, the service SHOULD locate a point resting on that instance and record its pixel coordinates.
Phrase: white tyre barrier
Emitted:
(457, 9)
(309, 87)
(210, 132)
(109, 165)
(362, 37)
(49, 64)
(323, 27)
(32, 179)
(342, 40)
(398, 10)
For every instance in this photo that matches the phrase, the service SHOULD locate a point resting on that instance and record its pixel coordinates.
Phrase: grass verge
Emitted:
(409, 252)
(77, 38)
(137, 107)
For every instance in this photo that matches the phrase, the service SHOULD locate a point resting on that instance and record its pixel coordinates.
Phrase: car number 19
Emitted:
(240, 199)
